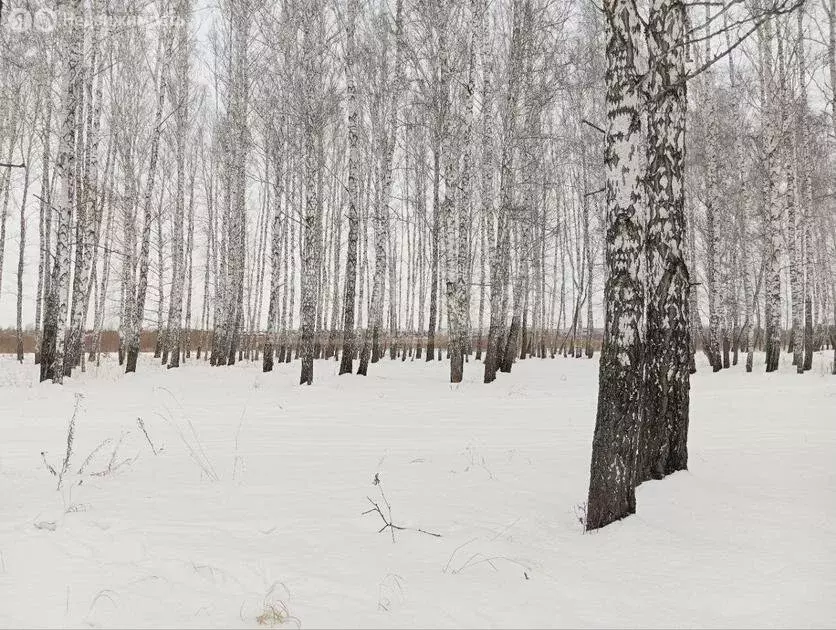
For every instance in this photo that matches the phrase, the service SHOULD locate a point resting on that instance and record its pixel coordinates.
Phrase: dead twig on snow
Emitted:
(49, 466)
(112, 466)
(141, 425)
(387, 521)
(92, 454)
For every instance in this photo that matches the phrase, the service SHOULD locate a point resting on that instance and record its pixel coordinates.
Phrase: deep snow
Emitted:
(746, 537)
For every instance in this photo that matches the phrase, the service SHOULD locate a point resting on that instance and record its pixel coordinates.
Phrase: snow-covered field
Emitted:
(255, 499)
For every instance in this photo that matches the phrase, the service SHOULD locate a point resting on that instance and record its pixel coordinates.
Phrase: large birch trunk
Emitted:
(664, 428)
(614, 444)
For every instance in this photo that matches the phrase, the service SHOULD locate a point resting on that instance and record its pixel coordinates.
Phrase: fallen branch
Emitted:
(479, 558)
(387, 522)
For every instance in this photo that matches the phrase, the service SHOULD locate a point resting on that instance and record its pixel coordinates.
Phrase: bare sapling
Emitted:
(70, 437)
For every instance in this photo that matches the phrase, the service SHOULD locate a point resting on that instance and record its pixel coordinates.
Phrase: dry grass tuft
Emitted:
(276, 614)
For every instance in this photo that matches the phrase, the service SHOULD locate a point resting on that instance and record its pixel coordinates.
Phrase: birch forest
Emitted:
(481, 191)
(414, 180)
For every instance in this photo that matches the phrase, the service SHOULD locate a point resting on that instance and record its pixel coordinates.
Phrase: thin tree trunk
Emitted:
(52, 364)
(349, 335)
(773, 183)
(22, 249)
(134, 337)
(45, 212)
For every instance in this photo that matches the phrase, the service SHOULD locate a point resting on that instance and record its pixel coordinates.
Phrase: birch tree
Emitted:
(136, 304)
(313, 121)
(664, 426)
(349, 297)
(55, 320)
(614, 445)
(181, 104)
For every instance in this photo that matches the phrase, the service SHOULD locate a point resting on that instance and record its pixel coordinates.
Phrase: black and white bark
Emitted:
(55, 318)
(620, 401)
(349, 297)
(664, 426)
(180, 97)
(137, 303)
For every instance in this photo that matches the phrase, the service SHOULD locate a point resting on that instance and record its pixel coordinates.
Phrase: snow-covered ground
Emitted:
(255, 499)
